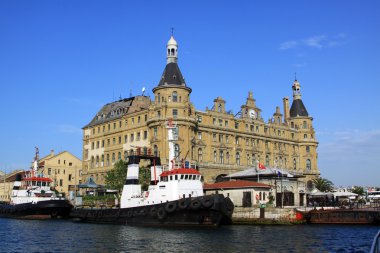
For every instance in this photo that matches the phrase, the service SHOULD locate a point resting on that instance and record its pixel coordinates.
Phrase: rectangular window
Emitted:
(119, 139)
(220, 122)
(114, 125)
(199, 136)
(138, 136)
(119, 124)
(97, 144)
(125, 138)
(175, 113)
(102, 143)
(126, 122)
(133, 121)
(226, 123)
(214, 121)
(60, 182)
(138, 119)
(70, 177)
(145, 135)
(92, 145)
(132, 137)
(155, 131)
(104, 129)
(236, 125)
(227, 140)
(113, 141)
(214, 137)
(145, 117)
(199, 119)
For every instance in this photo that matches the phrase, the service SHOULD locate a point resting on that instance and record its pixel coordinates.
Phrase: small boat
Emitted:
(375, 248)
(33, 198)
(174, 197)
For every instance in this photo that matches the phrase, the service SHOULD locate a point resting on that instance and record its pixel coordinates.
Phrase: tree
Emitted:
(358, 190)
(323, 184)
(115, 177)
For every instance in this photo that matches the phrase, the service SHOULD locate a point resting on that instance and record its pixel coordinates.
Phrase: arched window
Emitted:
(214, 156)
(176, 150)
(237, 158)
(92, 162)
(97, 161)
(304, 125)
(294, 164)
(155, 150)
(267, 160)
(221, 156)
(220, 108)
(175, 96)
(308, 164)
(172, 51)
(228, 157)
(125, 155)
(158, 97)
(102, 164)
(200, 155)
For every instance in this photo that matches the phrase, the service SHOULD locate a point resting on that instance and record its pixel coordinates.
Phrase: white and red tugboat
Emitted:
(33, 198)
(174, 198)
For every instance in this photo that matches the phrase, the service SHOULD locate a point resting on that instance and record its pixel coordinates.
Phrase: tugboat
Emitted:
(174, 197)
(33, 198)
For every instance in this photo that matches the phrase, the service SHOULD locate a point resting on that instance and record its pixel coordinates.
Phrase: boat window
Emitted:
(186, 177)
(34, 183)
(194, 176)
(181, 176)
(176, 177)
(171, 178)
(165, 179)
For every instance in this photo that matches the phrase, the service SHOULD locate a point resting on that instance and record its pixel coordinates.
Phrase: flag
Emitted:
(261, 167)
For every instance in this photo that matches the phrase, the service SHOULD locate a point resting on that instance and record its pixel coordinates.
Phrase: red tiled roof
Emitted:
(180, 171)
(235, 185)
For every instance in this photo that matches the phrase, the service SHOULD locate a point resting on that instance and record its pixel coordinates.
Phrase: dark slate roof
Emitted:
(172, 76)
(119, 108)
(298, 109)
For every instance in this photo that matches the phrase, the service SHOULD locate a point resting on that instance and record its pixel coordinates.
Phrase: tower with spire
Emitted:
(172, 102)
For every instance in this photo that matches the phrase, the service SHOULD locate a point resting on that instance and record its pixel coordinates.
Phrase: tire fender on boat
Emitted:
(183, 204)
(161, 214)
(207, 201)
(195, 204)
(153, 211)
(170, 207)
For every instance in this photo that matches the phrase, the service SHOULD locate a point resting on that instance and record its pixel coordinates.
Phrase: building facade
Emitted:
(217, 140)
(64, 168)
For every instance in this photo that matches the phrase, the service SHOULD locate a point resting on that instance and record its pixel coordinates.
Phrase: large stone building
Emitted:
(217, 140)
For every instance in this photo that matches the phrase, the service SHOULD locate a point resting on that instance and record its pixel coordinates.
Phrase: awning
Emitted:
(90, 183)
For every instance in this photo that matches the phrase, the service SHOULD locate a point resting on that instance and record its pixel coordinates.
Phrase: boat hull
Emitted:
(41, 210)
(206, 211)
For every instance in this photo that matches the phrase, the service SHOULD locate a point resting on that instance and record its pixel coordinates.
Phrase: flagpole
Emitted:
(257, 169)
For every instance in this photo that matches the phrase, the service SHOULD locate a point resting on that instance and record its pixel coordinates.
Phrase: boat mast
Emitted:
(172, 137)
(35, 163)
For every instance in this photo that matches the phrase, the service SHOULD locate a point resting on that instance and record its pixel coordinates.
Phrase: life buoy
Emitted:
(207, 201)
(195, 204)
(183, 204)
(170, 207)
(161, 214)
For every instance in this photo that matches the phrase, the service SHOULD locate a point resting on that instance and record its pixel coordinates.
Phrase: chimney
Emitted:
(286, 109)
(52, 152)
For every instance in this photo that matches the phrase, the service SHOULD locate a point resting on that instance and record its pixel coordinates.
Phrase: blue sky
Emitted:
(60, 61)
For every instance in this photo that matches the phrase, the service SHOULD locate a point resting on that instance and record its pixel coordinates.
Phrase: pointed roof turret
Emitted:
(172, 75)
(297, 108)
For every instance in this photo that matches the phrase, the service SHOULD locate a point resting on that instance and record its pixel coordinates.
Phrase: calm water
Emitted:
(67, 236)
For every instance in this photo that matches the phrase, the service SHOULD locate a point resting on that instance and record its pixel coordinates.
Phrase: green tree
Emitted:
(323, 184)
(115, 177)
(358, 190)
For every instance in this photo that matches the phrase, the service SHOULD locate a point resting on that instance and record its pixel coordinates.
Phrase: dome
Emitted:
(172, 42)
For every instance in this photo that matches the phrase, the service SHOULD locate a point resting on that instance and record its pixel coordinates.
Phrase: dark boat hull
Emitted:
(40, 210)
(207, 211)
(343, 216)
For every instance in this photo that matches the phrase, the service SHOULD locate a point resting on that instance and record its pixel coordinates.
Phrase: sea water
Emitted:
(68, 236)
